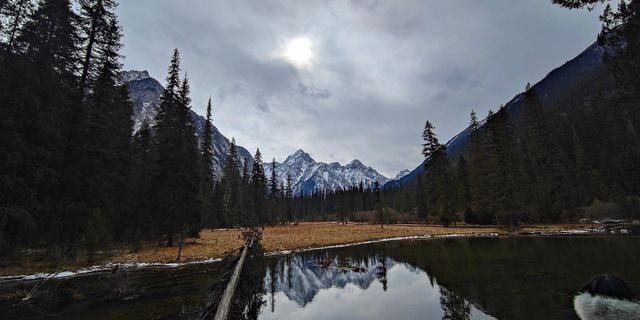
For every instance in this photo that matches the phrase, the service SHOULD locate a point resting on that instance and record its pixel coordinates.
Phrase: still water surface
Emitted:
(458, 278)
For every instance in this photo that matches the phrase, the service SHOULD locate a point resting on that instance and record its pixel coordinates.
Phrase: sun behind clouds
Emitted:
(298, 51)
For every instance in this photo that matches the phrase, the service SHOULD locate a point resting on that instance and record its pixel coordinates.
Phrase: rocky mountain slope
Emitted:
(145, 92)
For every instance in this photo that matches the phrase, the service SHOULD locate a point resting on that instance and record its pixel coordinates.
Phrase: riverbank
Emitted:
(214, 244)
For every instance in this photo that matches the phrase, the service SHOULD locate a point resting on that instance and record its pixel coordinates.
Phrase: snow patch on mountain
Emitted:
(308, 175)
(401, 174)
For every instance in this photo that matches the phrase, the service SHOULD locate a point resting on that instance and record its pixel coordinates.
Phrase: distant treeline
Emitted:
(551, 166)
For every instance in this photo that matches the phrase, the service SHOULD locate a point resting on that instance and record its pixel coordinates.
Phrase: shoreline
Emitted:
(109, 265)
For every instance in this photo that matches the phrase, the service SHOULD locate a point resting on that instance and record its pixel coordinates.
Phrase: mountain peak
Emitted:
(299, 156)
(401, 174)
(356, 164)
(132, 75)
(299, 152)
(308, 175)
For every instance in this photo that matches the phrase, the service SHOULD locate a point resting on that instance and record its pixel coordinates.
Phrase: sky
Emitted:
(356, 79)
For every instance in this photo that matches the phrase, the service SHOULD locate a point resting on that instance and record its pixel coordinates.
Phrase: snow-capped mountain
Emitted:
(145, 92)
(308, 175)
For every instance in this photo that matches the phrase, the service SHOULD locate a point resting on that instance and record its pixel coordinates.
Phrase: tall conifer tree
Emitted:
(177, 176)
(206, 189)
(259, 188)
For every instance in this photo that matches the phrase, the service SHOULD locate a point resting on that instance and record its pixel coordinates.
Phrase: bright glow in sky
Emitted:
(298, 51)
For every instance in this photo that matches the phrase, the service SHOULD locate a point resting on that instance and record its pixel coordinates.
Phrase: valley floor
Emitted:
(292, 237)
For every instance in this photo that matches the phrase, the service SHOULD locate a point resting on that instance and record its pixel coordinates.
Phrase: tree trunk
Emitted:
(89, 53)
(180, 250)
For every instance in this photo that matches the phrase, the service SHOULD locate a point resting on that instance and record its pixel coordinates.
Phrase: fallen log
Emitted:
(222, 312)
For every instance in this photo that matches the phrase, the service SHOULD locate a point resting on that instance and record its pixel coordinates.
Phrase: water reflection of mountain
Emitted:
(301, 277)
(319, 280)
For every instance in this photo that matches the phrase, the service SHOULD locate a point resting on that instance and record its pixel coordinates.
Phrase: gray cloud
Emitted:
(313, 92)
(379, 68)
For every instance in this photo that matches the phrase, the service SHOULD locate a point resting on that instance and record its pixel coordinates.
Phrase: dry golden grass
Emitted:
(216, 243)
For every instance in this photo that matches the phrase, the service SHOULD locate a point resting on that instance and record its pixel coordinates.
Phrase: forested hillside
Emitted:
(549, 163)
(73, 175)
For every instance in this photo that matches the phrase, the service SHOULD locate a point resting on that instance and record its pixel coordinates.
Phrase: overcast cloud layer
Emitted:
(379, 68)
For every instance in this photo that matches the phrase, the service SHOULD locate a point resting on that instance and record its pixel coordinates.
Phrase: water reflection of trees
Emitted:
(381, 269)
(518, 278)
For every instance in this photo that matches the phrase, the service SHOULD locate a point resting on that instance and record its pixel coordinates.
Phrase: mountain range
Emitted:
(307, 175)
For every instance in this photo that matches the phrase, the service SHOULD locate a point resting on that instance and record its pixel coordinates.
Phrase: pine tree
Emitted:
(248, 213)
(207, 148)
(143, 162)
(13, 16)
(191, 164)
(478, 172)
(438, 185)
(231, 188)
(273, 195)
(288, 196)
(102, 183)
(377, 204)
(207, 184)
(177, 176)
(431, 146)
(95, 19)
(49, 38)
(259, 188)
(504, 193)
(168, 143)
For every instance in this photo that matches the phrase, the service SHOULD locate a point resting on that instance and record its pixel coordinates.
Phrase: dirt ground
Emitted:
(216, 243)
